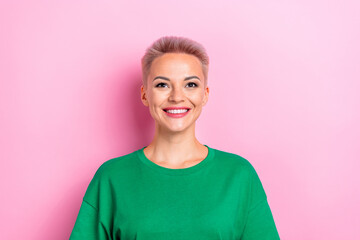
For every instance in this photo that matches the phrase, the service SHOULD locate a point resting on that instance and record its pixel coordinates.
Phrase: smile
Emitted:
(176, 113)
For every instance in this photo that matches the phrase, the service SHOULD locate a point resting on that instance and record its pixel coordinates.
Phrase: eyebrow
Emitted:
(167, 79)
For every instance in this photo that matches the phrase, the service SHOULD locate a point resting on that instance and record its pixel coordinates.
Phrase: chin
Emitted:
(179, 128)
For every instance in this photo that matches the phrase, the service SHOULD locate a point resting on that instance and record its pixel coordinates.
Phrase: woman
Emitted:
(176, 187)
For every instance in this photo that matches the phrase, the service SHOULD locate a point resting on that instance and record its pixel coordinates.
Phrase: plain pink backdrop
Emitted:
(284, 93)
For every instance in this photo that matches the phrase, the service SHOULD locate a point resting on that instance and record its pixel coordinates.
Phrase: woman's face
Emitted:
(175, 80)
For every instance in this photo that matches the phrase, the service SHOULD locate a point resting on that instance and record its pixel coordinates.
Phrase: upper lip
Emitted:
(170, 108)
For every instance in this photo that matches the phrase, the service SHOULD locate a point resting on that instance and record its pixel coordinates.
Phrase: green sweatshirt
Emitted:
(131, 197)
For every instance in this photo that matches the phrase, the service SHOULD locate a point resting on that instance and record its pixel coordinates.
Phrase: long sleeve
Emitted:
(88, 225)
(260, 223)
(91, 222)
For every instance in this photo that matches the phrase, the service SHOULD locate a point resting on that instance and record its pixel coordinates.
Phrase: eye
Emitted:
(160, 84)
(193, 84)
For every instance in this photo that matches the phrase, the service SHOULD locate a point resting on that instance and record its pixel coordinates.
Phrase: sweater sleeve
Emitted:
(91, 222)
(260, 223)
(87, 225)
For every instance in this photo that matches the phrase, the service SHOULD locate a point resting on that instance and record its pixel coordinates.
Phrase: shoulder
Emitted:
(243, 170)
(233, 160)
(116, 166)
(113, 171)
(110, 172)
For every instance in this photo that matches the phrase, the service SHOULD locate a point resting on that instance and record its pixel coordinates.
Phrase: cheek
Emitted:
(156, 99)
(196, 97)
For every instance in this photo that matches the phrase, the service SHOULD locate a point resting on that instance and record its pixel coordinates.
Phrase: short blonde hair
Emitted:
(173, 44)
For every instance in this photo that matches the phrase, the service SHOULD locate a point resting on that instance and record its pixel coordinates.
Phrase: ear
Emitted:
(143, 96)
(206, 96)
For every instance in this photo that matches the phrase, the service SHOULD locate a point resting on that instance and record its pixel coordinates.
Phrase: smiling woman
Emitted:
(175, 81)
(175, 187)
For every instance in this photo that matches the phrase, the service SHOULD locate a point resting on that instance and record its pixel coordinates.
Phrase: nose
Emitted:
(176, 94)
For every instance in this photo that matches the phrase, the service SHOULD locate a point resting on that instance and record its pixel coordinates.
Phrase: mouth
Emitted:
(176, 112)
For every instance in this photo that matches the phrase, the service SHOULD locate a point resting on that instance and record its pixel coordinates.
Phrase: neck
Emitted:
(175, 148)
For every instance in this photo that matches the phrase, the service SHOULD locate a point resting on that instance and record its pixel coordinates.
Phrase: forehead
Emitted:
(176, 62)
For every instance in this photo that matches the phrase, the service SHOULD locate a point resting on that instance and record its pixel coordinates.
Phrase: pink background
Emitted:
(284, 93)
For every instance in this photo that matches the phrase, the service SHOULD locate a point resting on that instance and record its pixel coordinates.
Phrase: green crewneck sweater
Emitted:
(131, 197)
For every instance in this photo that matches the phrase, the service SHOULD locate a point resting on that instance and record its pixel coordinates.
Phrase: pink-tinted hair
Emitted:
(173, 44)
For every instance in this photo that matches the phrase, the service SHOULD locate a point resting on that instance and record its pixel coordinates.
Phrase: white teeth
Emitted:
(177, 111)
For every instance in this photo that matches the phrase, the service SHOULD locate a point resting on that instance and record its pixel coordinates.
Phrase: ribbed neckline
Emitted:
(176, 171)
